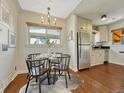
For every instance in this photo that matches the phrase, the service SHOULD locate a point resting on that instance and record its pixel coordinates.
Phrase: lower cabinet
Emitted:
(97, 57)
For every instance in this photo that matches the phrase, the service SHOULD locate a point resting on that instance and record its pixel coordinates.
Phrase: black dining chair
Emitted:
(54, 61)
(33, 56)
(37, 69)
(62, 67)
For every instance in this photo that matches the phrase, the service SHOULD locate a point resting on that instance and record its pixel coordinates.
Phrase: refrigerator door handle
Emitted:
(80, 43)
(80, 51)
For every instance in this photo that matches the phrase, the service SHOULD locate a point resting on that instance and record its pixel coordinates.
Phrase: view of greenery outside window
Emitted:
(40, 35)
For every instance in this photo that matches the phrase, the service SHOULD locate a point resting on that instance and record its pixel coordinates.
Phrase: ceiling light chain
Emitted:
(48, 15)
(48, 18)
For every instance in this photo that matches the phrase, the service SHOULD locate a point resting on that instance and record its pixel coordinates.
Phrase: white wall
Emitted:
(71, 24)
(7, 59)
(24, 49)
(115, 56)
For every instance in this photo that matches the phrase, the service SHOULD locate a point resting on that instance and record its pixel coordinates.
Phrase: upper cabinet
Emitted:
(84, 25)
(104, 33)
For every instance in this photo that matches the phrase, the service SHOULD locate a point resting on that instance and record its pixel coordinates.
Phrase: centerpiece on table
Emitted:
(49, 45)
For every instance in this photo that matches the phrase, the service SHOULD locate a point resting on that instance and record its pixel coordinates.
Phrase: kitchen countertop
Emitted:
(121, 51)
(102, 47)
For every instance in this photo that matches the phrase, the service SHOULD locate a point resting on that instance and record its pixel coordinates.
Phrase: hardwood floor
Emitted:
(107, 78)
(16, 84)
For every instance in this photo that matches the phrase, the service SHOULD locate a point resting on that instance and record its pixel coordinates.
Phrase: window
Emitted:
(40, 35)
(118, 36)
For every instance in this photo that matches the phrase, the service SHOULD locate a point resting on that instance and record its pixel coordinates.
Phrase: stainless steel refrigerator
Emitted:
(83, 50)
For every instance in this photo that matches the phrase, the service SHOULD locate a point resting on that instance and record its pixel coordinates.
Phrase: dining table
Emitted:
(52, 57)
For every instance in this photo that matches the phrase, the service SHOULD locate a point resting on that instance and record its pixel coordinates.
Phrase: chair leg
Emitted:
(59, 73)
(69, 75)
(54, 76)
(66, 82)
(36, 79)
(48, 77)
(27, 76)
(39, 86)
(27, 85)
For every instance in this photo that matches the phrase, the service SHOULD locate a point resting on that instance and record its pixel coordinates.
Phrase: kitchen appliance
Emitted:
(83, 50)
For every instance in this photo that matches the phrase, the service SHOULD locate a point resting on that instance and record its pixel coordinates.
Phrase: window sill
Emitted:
(42, 46)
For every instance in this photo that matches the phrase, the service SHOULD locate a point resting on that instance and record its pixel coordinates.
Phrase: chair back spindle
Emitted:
(37, 67)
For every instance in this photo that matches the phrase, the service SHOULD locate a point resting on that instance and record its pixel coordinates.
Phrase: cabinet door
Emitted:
(97, 57)
(103, 36)
(103, 33)
(84, 25)
(101, 56)
(94, 58)
(91, 58)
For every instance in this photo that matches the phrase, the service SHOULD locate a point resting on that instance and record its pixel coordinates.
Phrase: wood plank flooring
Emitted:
(16, 84)
(107, 78)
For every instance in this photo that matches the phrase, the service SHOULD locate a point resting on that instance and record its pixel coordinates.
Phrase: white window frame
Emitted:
(38, 45)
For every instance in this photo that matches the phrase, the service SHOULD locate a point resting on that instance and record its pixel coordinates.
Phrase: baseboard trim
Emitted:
(96, 65)
(14, 76)
(75, 70)
(22, 71)
(122, 64)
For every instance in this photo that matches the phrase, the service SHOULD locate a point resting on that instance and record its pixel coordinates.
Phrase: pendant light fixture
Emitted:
(103, 17)
(50, 20)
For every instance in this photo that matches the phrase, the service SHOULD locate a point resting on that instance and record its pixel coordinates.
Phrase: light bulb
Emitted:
(55, 19)
(42, 17)
(103, 17)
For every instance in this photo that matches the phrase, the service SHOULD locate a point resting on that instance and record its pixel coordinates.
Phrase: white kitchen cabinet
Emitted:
(93, 58)
(104, 33)
(84, 25)
(97, 57)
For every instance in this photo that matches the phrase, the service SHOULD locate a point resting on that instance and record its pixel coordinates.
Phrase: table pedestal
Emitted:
(45, 82)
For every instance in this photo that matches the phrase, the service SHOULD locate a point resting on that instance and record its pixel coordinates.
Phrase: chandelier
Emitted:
(49, 20)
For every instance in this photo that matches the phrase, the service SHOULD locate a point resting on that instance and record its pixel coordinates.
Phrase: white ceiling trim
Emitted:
(59, 8)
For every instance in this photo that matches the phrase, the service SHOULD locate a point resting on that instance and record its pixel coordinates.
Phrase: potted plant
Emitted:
(49, 44)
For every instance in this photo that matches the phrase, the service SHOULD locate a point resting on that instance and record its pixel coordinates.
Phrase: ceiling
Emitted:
(93, 9)
(59, 8)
